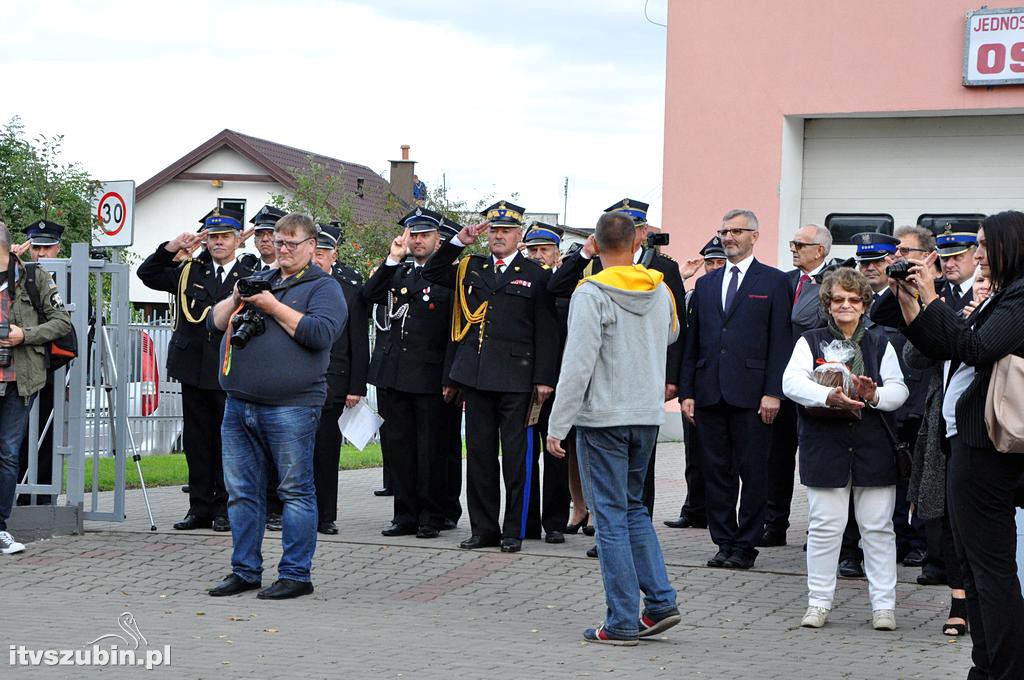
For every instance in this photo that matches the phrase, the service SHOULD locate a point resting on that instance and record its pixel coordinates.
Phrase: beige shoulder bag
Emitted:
(1004, 405)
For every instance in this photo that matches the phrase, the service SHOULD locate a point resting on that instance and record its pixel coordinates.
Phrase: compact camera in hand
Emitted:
(5, 352)
(898, 270)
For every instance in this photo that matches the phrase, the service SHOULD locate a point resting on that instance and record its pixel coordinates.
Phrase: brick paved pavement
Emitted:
(410, 608)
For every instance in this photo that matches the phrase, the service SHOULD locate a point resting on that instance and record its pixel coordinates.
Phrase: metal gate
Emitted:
(90, 397)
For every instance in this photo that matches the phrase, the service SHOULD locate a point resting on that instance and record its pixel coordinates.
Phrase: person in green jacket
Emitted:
(24, 335)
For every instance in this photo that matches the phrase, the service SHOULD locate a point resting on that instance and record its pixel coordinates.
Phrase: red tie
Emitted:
(804, 278)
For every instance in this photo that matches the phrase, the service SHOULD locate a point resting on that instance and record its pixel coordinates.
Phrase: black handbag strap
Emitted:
(888, 429)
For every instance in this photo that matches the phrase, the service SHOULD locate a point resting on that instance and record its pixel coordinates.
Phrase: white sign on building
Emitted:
(994, 47)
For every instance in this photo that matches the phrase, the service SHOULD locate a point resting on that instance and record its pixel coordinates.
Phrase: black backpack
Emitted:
(63, 350)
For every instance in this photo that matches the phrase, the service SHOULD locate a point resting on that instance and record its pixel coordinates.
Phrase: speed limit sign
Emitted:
(114, 209)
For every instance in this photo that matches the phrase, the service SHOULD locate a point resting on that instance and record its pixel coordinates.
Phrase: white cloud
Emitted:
(133, 86)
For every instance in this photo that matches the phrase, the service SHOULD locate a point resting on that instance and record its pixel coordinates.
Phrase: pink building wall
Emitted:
(736, 68)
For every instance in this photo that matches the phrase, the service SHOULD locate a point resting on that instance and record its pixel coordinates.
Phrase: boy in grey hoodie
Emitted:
(612, 387)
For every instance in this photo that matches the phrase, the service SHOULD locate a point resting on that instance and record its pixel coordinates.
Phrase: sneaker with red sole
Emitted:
(603, 637)
(652, 624)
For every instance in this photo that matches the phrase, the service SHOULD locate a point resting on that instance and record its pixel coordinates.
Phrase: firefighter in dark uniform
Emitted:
(549, 506)
(44, 242)
(504, 325)
(693, 514)
(412, 371)
(193, 356)
(381, 325)
(583, 263)
(346, 377)
(263, 235)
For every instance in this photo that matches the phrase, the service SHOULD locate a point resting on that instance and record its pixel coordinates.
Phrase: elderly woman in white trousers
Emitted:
(845, 448)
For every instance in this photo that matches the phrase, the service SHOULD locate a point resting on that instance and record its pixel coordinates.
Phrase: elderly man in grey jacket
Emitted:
(621, 322)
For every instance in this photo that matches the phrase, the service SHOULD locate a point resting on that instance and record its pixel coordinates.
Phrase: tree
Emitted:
(35, 184)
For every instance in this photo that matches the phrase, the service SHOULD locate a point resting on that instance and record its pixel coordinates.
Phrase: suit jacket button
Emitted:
(723, 350)
(850, 449)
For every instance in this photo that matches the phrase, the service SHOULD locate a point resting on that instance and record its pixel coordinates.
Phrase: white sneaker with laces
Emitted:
(815, 617)
(8, 545)
(883, 619)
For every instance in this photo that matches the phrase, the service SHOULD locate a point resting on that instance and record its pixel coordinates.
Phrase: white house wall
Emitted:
(177, 206)
(227, 161)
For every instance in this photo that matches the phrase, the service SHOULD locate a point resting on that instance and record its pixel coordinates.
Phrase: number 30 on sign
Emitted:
(994, 47)
(114, 208)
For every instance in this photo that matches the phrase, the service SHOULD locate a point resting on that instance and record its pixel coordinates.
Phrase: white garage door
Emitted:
(909, 166)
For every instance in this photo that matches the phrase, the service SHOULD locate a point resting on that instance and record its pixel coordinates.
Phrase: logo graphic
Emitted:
(122, 650)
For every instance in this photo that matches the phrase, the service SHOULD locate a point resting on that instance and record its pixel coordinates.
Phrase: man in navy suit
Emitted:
(730, 385)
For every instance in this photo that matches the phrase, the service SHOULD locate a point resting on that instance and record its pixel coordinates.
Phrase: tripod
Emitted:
(107, 363)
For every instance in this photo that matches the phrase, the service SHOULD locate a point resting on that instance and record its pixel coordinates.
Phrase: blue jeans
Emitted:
(14, 410)
(254, 435)
(613, 464)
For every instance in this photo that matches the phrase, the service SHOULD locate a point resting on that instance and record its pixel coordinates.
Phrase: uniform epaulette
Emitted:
(249, 260)
(667, 256)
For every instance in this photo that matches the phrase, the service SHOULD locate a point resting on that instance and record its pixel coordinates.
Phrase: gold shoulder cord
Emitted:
(182, 302)
(460, 310)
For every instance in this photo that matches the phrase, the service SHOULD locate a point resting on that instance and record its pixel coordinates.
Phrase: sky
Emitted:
(494, 96)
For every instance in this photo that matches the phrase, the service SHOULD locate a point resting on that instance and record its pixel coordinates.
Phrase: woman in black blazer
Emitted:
(982, 482)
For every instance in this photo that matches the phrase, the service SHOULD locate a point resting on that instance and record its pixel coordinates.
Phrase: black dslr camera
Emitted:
(898, 270)
(5, 352)
(249, 323)
(657, 240)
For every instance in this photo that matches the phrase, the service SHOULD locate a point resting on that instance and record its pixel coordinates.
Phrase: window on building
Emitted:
(937, 223)
(359, 187)
(232, 204)
(843, 226)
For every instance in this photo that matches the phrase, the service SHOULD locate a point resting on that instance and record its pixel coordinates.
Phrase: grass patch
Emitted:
(171, 469)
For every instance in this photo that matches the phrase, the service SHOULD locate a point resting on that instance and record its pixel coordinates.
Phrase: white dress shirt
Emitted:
(744, 265)
(228, 266)
(798, 382)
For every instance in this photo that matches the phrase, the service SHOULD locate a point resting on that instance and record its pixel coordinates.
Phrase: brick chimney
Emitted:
(401, 176)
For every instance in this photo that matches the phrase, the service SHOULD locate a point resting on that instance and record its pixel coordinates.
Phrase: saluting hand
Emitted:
(469, 234)
(690, 267)
(244, 236)
(21, 248)
(400, 246)
(590, 248)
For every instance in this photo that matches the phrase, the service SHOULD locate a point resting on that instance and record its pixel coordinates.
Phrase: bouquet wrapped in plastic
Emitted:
(833, 371)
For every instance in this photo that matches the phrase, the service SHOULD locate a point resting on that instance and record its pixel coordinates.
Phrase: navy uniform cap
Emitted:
(713, 250)
(220, 220)
(635, 209)
(541, 234)
(421, 220)
(504, 213)
(328, 235)
(266, 218)
(873, 246)
(950, 242)
(44, 233)
(448, 230)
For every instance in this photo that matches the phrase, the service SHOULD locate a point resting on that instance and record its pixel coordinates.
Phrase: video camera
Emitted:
(657, 240)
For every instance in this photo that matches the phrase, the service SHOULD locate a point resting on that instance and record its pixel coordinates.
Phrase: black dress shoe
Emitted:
(741, 559)
(427, 532)
(274, 522)
(687, 521)
(720, 558)
(474, 542)
(192, 522)
(511, 545)
(554, 537)
(398, 530)
(185, 489)
(772, 538)
(232, 585)
(328, 528)
(284, 589)
(850, 568)
(221, 523)
(914, 558)
(592, 552)
(449, 524)
(384, 492)
(932, 577)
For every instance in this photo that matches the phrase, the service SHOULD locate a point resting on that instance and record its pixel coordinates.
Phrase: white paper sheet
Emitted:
(359, 424)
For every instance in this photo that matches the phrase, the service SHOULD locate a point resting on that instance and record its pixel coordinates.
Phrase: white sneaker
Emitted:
(883, 619)
(815, 617)
(8, 545)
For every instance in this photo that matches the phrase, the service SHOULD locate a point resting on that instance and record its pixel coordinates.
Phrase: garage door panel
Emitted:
(909, 166)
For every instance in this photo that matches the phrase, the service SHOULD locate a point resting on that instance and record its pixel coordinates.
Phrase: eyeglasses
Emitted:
(264, 235)
(904, 251)
(797, 245)
(733, 232)
(852, 301)
(290, 245)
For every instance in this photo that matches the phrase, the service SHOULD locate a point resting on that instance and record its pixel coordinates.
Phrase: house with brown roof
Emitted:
(241, 172)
